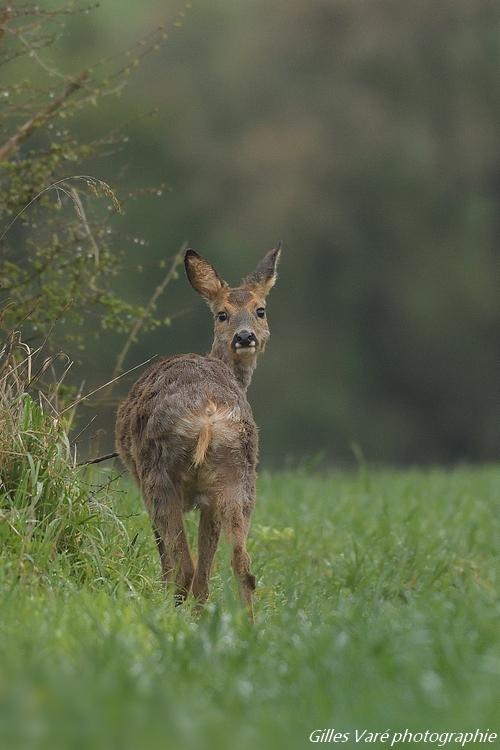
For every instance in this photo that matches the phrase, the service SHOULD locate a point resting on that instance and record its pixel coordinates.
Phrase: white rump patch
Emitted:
(224, 422)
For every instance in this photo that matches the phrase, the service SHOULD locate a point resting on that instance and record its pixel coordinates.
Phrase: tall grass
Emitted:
(53, 519)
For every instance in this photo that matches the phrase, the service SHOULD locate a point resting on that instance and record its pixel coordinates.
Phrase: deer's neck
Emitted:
(242, 366)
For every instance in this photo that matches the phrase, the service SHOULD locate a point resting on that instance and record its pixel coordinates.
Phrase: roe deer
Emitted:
(187, 434)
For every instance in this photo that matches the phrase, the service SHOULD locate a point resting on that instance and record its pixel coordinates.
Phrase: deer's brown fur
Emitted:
(187, 434)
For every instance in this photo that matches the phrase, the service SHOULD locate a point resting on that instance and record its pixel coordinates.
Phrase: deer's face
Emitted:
(240, 321)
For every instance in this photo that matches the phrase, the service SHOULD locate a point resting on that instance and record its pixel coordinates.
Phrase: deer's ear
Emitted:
(264, 277)
(202, 276)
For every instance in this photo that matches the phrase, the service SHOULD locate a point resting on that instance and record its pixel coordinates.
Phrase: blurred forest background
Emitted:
(365, 136)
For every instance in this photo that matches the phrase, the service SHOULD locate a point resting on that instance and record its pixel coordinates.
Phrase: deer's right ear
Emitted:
(202, 276)
(264, 277)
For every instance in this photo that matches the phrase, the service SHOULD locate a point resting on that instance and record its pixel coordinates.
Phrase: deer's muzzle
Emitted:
(244, 341)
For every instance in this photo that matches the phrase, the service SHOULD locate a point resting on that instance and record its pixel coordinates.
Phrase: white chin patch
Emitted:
(245, 349)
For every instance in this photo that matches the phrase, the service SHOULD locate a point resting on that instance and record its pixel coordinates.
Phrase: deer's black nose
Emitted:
(244, 338)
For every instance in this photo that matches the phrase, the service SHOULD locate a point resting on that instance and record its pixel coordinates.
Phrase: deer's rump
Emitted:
(195, 408)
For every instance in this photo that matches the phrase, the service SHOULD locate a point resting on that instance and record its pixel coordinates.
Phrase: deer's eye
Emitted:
(222, 316)
(260, 312)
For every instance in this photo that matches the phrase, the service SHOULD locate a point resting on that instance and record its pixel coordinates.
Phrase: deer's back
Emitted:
(170, 405)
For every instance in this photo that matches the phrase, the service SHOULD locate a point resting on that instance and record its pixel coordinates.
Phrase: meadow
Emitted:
(376, 608)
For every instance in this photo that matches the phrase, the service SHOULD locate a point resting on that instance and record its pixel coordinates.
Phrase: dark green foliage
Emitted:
(61, 250)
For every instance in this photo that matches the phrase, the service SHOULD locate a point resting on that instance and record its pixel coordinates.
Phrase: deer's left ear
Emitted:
(203, 276)
(264, 277)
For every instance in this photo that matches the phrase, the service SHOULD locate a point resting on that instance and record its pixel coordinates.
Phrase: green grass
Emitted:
(377, 607)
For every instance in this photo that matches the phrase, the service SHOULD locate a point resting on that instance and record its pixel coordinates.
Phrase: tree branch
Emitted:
(39, 119)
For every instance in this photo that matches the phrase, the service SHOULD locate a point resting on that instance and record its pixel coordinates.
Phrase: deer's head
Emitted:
(241, 330)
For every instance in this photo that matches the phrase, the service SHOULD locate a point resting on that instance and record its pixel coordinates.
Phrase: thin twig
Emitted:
(32, 51)
(86, 225)
(74, 442)
(32, 353)
(139, 323)
(47, 401)
(98, 459)
(105, 385)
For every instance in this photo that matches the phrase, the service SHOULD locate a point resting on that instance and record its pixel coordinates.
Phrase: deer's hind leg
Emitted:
(237, 512)
(163, 500)
(208, 539)
(240, 562)
(173, 547)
